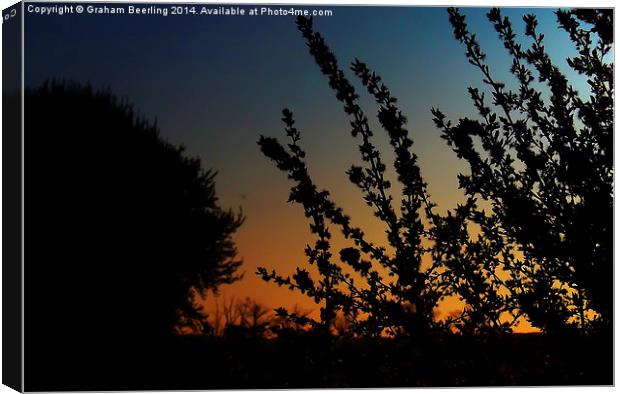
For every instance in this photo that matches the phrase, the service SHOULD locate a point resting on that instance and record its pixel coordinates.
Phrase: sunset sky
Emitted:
(215, 84)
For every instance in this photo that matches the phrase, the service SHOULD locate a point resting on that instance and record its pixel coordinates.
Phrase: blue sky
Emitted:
(216, 83)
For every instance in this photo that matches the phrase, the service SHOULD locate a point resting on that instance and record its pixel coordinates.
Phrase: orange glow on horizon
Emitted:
(280, 246)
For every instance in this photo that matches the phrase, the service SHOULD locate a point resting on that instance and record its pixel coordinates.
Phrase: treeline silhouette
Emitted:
(122, 232)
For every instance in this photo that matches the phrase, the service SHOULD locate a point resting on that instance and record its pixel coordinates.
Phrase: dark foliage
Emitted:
(546, 167)
(541, 251)
(122, 231)
(404, 302)
(374, 307)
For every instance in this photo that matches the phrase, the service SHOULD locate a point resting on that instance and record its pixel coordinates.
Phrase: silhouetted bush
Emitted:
(546, 168)
(543, 249)
(123, 230)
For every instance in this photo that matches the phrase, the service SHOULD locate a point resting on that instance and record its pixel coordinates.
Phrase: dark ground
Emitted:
(531, 360)
(305, 362)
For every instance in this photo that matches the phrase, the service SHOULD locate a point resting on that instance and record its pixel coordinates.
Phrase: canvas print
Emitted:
(238, 196)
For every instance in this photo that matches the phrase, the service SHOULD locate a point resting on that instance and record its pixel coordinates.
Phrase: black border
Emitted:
(12, 361)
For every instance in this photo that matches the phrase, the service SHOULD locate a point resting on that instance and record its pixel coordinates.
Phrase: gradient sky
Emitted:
(216, 83)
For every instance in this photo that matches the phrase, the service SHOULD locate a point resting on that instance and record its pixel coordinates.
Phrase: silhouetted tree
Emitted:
(542, 251)
(545, 166)
(124, 231)
(253, 319)
(379, 304)
(241, 318)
